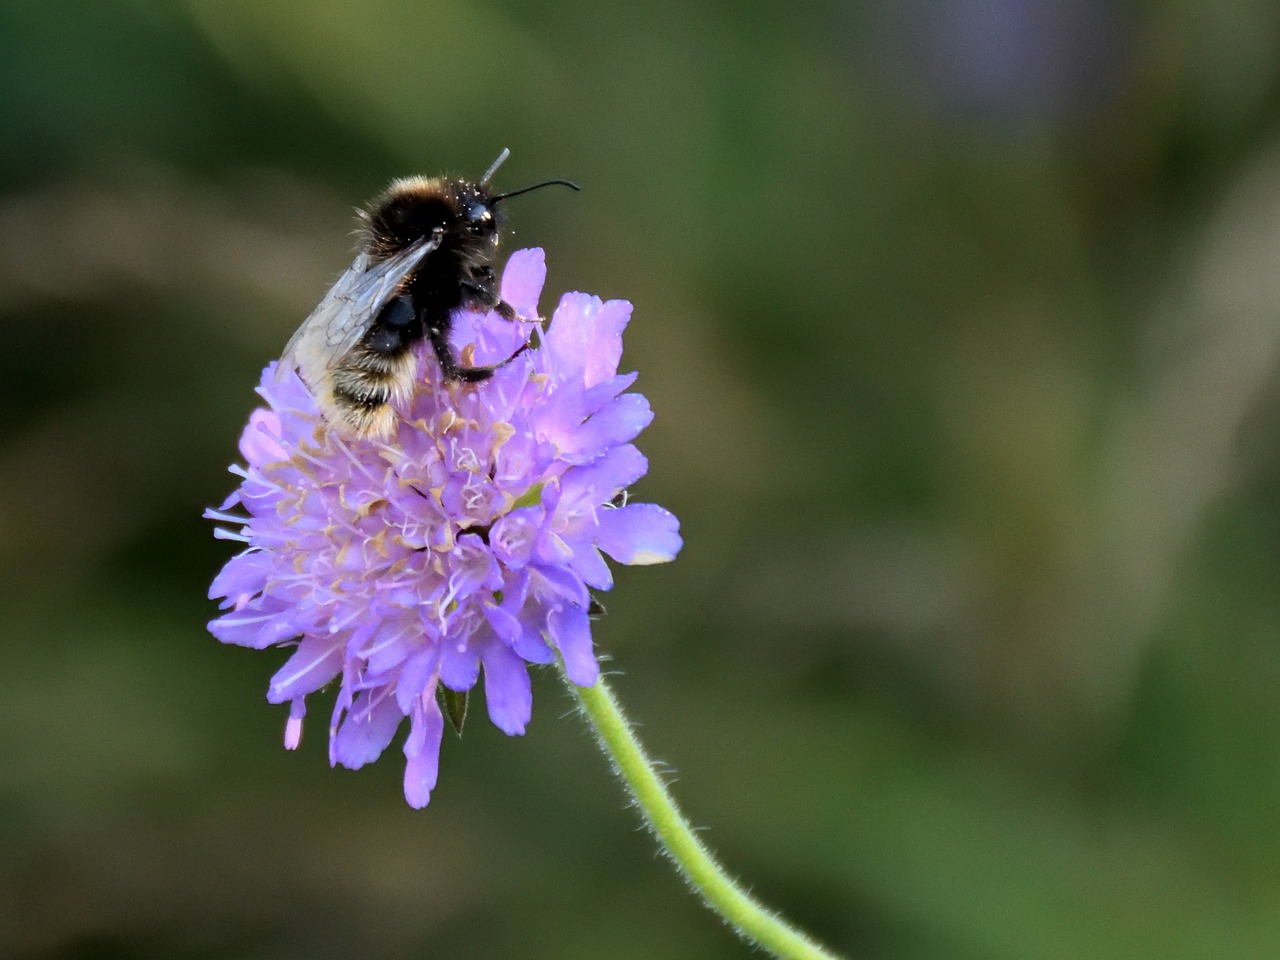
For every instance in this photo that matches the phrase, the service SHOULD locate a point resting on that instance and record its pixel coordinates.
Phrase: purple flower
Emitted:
(469, 541)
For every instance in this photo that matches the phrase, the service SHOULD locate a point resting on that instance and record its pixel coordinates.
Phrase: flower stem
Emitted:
(749, 919)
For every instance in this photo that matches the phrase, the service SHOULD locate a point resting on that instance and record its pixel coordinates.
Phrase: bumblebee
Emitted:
(427, 250)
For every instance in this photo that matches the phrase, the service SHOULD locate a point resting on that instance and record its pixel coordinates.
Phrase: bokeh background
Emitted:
(961, 320)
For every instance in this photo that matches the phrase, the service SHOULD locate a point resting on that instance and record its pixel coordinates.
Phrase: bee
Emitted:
(427, 250)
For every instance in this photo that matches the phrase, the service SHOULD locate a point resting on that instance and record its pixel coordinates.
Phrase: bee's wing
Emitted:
(348, 310)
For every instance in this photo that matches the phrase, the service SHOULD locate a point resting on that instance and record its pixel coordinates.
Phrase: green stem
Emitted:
(749, 919)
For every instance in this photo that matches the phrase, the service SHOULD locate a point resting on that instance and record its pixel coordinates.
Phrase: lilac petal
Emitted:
(639, 534)
(507, 691)
(523, 278)
(568, 337)
(552, 550)
(514, 536)
(465, 326)
(532, 646)
(606, 340)
(585, 337)
(316, 661)
(367, 729)
(257, 497)
(603, 479)
(260, 442)
(564, 411)
(506, 626)
(590, 566)
(621, 421)
(473, 566)
(286, 392)
(571, 634)
(415, 675)
(515, 591)
(595, 397)
(293, 728)
(518, 460)
(258, 624)
(361, 637)
(244, 575)
(387, 645)
(340, 704)
(557, 582)
(459, 665)
(422, 750)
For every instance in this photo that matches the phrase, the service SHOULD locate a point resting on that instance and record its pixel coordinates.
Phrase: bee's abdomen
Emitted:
(367, 382)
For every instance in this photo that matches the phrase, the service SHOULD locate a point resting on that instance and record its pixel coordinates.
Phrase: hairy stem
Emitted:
(749, 919)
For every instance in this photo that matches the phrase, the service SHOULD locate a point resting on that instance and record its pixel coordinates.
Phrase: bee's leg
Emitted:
(452, 369)
(449, 365)
(484, 295)
(482, 289)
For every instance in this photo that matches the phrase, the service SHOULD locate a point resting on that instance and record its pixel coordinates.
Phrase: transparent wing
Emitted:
(348, 309)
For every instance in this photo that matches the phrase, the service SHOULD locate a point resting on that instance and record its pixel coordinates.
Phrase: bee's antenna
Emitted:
(544, 183)
(493, 168)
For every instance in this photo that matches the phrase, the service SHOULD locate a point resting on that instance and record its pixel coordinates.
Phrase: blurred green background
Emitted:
(961, 321)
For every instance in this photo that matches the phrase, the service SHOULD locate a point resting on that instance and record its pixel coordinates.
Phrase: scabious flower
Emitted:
(468, 541)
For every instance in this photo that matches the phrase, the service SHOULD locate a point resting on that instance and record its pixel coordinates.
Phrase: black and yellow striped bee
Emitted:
(427, 250)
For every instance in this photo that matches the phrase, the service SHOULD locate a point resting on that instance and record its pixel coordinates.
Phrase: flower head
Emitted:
(469, 542)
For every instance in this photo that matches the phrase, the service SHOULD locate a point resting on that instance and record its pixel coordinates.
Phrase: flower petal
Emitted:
(316, 662)
(367, 729)
(603, 479)
(620, 421)
(243, 576)
(293, 728)
(639, 534)
(257, 624)
(260, 443)
(532, 645)
(507, 691)
(523, 278)
(515, 535)
(557, 582)
(585, 337)
(416, 676)
(506, 626)
(459, 665)
(422, 750)
(570, 632)
(590, 566)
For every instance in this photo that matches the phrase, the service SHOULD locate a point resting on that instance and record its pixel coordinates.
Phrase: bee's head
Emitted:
(415, 208)
(477, 209)
(478, 214)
